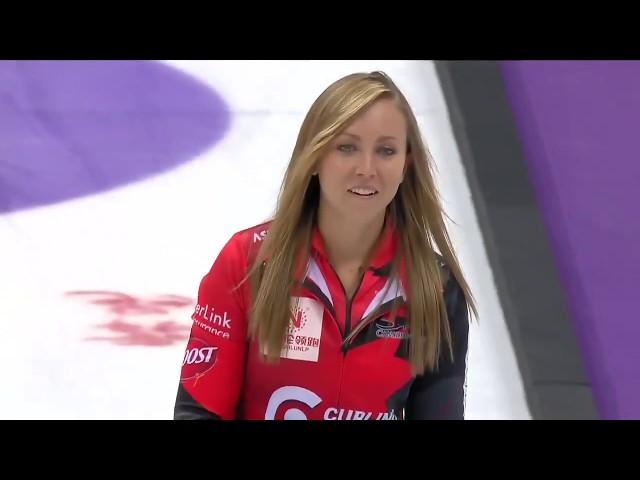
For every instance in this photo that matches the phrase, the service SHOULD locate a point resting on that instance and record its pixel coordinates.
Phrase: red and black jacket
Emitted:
(319, 376)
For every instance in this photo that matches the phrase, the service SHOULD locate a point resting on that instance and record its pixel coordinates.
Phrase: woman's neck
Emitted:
(348, 241)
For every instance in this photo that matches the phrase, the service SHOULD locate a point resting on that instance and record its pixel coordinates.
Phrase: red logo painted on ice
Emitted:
(199, 358)
(139, 321)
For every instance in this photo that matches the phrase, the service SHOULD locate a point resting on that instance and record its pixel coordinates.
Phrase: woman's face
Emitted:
(364, 166)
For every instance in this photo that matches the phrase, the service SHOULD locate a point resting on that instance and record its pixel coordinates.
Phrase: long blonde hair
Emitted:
(416, 211)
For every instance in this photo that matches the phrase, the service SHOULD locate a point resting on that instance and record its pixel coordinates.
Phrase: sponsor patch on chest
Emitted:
(386, 329)
(305, 330)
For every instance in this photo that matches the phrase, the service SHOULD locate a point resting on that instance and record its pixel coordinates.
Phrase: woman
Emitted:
(339, 308)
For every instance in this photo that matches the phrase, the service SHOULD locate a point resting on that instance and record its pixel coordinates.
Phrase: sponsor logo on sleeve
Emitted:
(212, 321)
(258, 237)
(199, 358)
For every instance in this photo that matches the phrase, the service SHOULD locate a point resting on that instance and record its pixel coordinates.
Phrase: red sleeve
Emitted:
(213, 364)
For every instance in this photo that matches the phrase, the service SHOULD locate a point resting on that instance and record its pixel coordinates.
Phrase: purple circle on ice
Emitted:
(75, 128)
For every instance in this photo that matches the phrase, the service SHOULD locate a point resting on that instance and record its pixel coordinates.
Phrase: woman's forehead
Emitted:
(383, 119)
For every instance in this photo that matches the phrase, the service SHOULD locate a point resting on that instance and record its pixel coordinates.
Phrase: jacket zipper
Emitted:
(347, 320)
(347, 327)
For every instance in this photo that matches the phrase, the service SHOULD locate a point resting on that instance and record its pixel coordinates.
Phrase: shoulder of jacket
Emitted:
(252, 235)
(246, 242)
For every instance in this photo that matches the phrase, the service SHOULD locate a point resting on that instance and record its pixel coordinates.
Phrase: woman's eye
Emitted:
(388, 151)
(346, 148)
